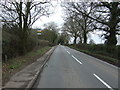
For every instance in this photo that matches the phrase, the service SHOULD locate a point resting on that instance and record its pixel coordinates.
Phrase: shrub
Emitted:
(111, 51)
(12, 44)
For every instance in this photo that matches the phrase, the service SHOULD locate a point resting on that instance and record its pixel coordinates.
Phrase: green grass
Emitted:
(17, 62)
(14, 65)
(38, 52)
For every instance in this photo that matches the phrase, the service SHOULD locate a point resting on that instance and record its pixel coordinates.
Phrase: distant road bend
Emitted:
(68, 68)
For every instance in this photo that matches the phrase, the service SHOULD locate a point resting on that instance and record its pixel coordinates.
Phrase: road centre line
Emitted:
(76, 59)
(68, 52)
(103, 82)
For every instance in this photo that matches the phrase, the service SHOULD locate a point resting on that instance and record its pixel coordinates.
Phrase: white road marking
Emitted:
(76, 59)
(68, 52)
(103, 82)
(96, 59)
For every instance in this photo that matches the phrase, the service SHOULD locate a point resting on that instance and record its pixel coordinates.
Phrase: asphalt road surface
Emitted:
(68, 68)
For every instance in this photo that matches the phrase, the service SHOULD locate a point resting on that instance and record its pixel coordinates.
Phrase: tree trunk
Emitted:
(20, 15)
(111, 39)
(25, 31)
(84, 30)
(75, 38)
(85, 37)
(80, 39)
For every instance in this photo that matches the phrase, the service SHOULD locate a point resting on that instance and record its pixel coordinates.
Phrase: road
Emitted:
(68, 68)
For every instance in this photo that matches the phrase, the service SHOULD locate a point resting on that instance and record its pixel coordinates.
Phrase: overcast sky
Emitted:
(57, 17)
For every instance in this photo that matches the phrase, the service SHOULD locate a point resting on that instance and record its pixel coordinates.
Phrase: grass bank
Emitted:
(14, 65)
(100, 56)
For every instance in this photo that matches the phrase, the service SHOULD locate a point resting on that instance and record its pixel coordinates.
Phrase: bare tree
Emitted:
(19, 16)
(71, 26)
(23, 13)
(51, 26)
(107, 17)
(84, 22)
(50, 32)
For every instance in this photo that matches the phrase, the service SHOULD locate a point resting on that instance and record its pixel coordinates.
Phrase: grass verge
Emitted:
(99, 56)
(15, 65)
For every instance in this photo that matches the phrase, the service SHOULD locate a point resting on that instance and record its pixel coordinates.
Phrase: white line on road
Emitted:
(103, 82)
(76, 59)
(68, 52)
(97, 59)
